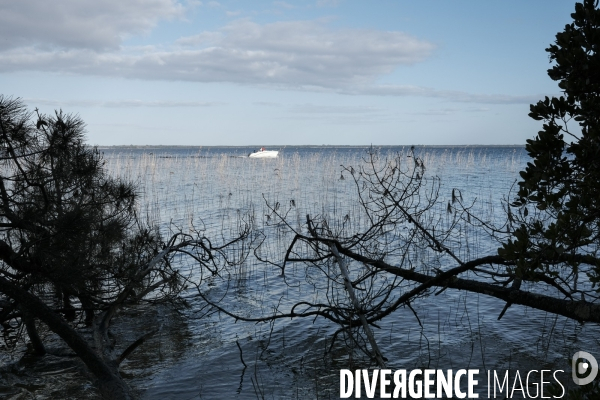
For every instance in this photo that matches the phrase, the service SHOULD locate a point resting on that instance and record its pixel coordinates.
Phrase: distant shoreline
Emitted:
(274, 146)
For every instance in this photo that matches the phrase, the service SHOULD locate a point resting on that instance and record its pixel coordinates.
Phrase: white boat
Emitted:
(262, 153)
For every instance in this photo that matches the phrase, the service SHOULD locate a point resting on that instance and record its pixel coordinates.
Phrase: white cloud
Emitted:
(69, 24)
(450, 111)
(86, 37)
(298, 54)
(267, 104)
(309, 108)
(201, 39)
(119, 103)
(71, 36)
(452, 95)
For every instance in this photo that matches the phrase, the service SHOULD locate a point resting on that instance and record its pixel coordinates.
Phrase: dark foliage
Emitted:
(72, 249)
(66, 229)
(557, 210)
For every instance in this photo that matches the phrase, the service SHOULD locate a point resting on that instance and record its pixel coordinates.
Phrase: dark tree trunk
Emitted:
(110, 382)
(68, 309)
(88, 310)
(63, 297)
(34, 337)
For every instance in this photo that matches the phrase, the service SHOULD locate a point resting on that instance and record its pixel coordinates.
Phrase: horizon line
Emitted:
(312, 145)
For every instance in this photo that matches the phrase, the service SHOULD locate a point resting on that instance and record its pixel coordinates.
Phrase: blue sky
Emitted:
(150, 72)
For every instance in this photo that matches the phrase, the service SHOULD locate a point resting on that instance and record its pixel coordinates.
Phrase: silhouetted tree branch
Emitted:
(71, 242)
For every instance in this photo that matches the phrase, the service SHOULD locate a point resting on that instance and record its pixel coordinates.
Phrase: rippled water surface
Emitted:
(196, 354)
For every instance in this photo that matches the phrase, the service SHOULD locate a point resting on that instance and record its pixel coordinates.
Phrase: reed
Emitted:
(210, 192)
(204, 190)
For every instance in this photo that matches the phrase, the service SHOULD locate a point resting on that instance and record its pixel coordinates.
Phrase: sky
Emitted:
(321, 72)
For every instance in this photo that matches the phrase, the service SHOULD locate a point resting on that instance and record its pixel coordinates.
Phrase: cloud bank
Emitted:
(87, 38)
(59, 25)
(296, 54)
(71, 36)
(120, 103)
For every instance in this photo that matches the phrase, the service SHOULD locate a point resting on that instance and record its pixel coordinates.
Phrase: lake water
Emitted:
(212, 189)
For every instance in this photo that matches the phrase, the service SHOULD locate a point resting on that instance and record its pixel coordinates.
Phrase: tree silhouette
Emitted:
(557, 218)
(71, 242)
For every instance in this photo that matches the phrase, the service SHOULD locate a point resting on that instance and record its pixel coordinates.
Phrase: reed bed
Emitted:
(214, 192)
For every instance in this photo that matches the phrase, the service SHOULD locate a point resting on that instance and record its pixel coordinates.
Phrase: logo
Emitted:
(583, 364)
